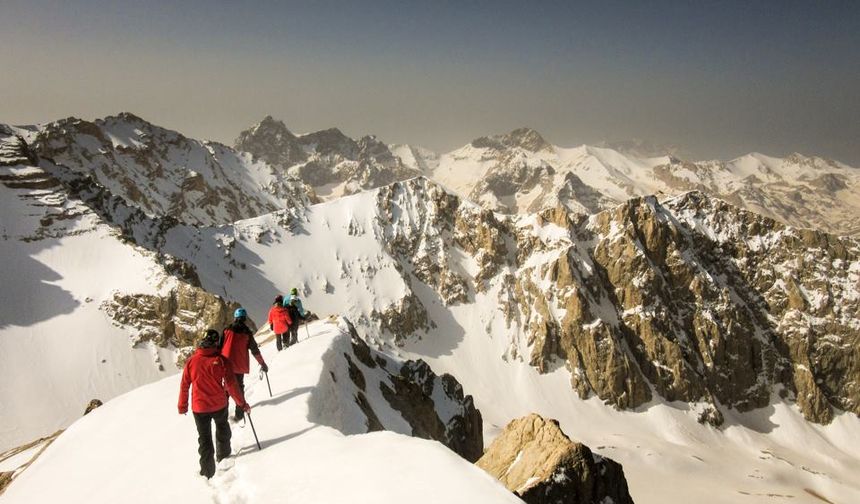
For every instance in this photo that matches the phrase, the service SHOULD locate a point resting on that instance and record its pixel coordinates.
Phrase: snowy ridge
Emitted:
(166, 174)
(301, 460)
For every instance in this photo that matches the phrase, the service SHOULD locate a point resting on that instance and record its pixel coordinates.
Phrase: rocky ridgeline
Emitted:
(174, 318)
(701, 302)
(324, 158)
(534, 459)
(375, 391)
(166, 174)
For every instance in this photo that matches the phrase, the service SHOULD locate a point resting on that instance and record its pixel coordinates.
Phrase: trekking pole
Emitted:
(267, 383)
(307, 331)
(254, 431)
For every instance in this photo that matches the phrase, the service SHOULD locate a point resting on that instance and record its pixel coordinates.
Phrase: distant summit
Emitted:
(330, 161)
(524, 138)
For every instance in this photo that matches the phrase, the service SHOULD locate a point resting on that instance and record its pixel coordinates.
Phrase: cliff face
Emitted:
(375, 391)
(703, 302)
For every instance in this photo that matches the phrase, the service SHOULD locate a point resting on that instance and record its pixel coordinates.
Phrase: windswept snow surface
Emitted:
(136, 448)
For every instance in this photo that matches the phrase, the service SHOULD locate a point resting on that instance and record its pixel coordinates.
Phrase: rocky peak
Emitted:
(271, 141)
(524, 138)
(330, 141)
(534, 459)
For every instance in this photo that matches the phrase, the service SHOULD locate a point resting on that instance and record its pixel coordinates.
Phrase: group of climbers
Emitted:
(217, 371)
(284, 317)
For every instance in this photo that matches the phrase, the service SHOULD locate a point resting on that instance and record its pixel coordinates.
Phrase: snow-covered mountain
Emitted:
(328, 160)
(521, 172)
(167, 174)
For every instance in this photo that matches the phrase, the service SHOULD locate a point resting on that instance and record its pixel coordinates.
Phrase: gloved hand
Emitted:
(183, 411)
(246, 408)
(264, 367)
(271, 327)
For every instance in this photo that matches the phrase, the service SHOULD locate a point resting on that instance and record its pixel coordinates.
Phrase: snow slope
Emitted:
(149, 453)
(58, 350)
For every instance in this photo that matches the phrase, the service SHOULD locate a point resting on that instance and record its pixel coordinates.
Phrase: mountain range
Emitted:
(667, 313)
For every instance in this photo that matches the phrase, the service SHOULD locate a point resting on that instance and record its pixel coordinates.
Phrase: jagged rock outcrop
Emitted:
(333, 163)
(95, 403)
(533, 458)
(14, 149)
(177, 318)
(271, 141)
(376, 391)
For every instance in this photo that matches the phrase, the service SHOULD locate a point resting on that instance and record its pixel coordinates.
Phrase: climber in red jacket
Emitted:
(280, 322)
(238, 341)
(211, 375)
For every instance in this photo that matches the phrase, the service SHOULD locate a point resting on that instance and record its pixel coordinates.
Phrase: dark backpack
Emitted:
(294, 313)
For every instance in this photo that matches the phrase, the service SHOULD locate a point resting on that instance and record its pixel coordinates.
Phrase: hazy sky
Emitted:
(716, 78)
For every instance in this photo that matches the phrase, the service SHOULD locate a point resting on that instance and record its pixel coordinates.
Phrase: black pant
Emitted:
(294, 334)
(240, 413)
(282, 340)
(204, 439)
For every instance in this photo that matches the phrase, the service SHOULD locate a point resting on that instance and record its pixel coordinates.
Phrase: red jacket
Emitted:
(238, 341)
(279, 319)
(212, 377)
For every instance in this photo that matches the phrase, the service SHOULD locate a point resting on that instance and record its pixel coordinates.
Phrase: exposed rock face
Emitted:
(95, 403)
(533, 458)
(14, 149)
(271, 141)
(703, 302)
(328, 160)
(376, 391)
(177, 318)
(166, 174)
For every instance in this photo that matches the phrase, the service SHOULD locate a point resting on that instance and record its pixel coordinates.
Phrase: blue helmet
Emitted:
(240, 313)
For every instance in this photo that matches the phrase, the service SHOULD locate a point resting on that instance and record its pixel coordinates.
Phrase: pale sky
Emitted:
(717, 78)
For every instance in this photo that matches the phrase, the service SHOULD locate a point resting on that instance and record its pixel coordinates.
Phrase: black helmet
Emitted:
(279, 300)
(210, 340)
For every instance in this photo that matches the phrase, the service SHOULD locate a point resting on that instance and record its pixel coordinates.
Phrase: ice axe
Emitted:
(251, 421)
(267, 381)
